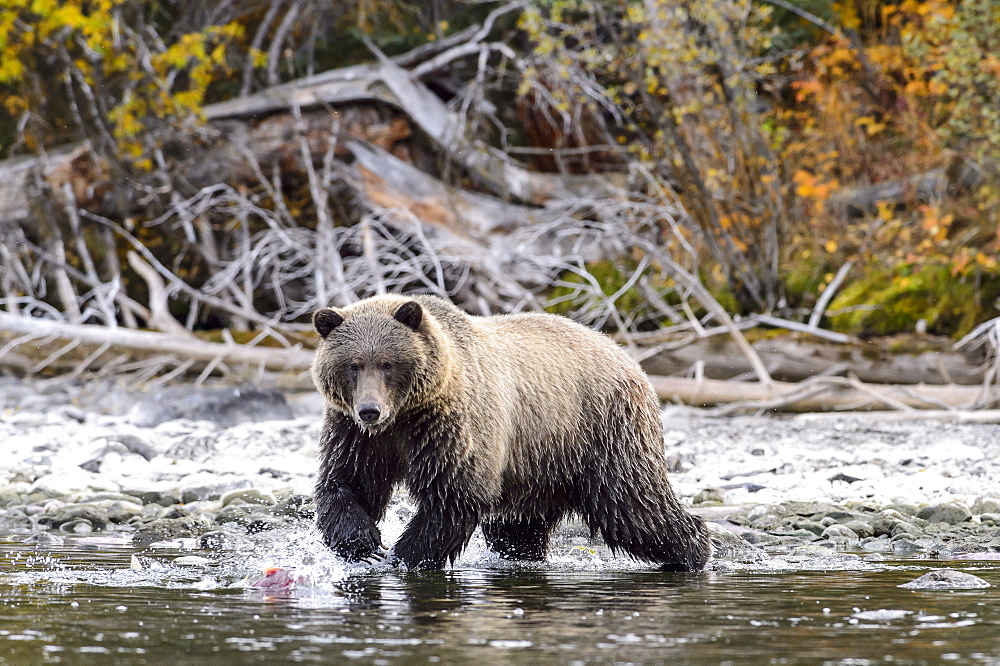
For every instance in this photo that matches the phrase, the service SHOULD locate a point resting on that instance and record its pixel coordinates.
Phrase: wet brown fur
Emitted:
(511, 421)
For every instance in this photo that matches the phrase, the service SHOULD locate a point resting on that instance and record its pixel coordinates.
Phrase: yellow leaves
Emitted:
(916, 88)
(830, 246)
(809, 186)
(15, 105)
(98, 47)
(885, 210)
(936, 223)
(11, 69)
(848, 13)
(937, 87)
(870, 125)
(806, 88)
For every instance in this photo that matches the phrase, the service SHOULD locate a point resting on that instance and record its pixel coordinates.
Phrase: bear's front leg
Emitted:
(347, 528)
(435, 534)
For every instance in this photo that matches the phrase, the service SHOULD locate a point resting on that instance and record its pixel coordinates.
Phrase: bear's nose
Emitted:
(369, 413)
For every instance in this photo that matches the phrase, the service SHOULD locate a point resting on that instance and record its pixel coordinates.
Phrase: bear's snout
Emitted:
(369, 412)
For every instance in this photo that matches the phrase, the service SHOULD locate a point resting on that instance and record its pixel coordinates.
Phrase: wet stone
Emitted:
(170, 528)
(249, 496)
(296, 506)
(762, 539)
(840, 533)
(901, 528)
(729, 546)
(804, 536)
(948, 512)
(245, 515)
(94, 516)
(77, 526)
(862, 528)
(214, 490)
(946, 579)
(264, 523)
(813, 551)
(811, 526)
(120, 513)
(223, 406)
(887, 523)
(709, 496)
(11, 496)
(160, 497)
(135, 444)
(173, 512)
(904, 509)
(197, 448)
(989, 505)
(223, 540)
(43, 539)
(808, 508)
(770, 522)
(904, 546)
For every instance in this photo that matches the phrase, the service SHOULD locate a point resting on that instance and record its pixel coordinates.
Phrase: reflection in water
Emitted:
(76, 605)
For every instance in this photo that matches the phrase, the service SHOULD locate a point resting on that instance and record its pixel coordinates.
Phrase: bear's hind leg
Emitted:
(521, 538)
(654, 529)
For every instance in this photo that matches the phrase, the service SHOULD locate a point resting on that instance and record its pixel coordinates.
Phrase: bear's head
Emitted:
(371, 358)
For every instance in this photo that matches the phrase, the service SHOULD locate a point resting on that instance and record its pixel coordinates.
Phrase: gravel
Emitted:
(197, 464)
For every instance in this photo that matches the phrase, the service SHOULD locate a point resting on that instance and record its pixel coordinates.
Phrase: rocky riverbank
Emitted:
(212, 468)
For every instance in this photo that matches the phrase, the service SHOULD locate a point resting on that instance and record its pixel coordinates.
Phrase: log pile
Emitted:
(400, 196)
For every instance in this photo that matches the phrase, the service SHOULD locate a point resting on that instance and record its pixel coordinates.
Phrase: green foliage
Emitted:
(804, 278)
(885, 302)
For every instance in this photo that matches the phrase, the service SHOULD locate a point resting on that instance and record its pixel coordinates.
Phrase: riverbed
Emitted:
(147, 528)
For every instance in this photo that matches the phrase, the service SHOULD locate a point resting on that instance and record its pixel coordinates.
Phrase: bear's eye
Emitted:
(353, 368)
(387, 366)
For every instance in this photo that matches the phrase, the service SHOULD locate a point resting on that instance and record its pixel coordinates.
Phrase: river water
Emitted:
(100, 601)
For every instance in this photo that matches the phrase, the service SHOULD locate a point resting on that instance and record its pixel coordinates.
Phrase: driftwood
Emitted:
(182, 346)
(819, 394)
(795, 358)
(816, 394)
(979, 416)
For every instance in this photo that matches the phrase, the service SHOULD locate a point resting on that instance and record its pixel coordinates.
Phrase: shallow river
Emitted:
(99, 601)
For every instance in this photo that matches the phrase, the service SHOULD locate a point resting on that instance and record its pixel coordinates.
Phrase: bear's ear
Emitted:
(326, 320)
(410, 314)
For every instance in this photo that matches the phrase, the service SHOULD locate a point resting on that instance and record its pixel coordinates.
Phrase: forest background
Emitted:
(660, 170)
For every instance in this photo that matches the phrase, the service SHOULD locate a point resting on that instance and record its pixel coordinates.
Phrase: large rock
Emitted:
(223, 406)
(946, 579)
(171, 528)
(951, 513)
(986, 504)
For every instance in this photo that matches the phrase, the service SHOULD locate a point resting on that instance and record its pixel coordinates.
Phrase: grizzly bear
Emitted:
(510, 422)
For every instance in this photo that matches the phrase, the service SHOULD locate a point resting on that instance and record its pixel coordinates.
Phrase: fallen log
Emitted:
(979, 416)
(818, 394)
(923, 360)
(182, 346)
